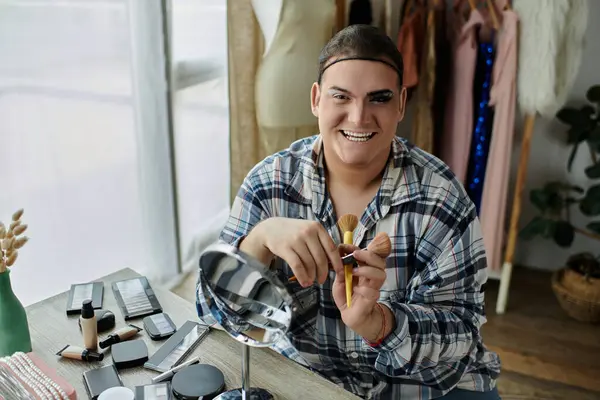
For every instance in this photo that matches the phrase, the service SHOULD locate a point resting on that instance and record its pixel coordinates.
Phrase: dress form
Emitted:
(295, 31)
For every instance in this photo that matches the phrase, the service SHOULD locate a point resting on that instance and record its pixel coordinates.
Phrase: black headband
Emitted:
(362, 58)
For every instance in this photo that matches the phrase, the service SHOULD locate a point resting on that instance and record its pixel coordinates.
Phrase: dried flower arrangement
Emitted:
(11, 240)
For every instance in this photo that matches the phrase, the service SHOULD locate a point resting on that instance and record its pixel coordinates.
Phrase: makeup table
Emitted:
(51, 329)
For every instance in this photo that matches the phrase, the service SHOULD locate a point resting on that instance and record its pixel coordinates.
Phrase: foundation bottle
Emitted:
(89, 326)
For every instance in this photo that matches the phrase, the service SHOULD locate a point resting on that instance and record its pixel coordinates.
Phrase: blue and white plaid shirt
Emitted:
(434, 279)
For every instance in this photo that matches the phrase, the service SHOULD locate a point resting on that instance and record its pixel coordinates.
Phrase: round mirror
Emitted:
(248, 301)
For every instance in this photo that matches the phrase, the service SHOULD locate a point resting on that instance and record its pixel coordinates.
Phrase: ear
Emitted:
(402, 104)
(315, 98)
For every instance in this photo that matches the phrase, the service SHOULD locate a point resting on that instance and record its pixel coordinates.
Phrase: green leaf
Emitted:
(537, 226)
(593, 94)
(594, 135)
(571, 116)
(588, 111)
(563, 233)
(572, 157)
(593, 171)
(594, 193)
(540, 199)
(590, 204)
(594, 139)
(577, 134)
(594, 227)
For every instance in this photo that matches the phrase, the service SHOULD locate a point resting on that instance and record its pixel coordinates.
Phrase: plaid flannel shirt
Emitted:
(434, 278)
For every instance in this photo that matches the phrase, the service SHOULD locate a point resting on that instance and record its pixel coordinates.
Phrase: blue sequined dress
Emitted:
(484, 116)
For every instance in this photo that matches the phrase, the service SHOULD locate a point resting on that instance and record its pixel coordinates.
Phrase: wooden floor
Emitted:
(544, 353)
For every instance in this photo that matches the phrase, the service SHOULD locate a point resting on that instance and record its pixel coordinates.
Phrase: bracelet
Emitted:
(381, 336)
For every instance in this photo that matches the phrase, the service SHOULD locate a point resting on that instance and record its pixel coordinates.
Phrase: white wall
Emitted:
(548, 161)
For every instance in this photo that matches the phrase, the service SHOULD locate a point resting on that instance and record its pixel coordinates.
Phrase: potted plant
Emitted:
(577, 285)
(14, 329)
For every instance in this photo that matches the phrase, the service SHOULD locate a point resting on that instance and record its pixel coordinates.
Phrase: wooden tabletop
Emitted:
(51, 329)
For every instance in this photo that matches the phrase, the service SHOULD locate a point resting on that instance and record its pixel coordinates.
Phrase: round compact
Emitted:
(197, 381)
(117, 393)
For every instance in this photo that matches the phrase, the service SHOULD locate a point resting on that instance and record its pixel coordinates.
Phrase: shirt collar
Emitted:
(400, 182)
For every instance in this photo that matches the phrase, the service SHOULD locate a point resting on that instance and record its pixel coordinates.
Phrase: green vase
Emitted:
(14, 330)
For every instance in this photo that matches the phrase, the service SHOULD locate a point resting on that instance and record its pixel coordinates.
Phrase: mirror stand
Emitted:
(249, 302)
(246, 392)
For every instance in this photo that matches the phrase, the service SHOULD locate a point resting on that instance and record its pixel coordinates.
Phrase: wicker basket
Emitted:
(578, 296)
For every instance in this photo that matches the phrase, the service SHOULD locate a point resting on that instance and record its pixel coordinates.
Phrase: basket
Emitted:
(579, 297)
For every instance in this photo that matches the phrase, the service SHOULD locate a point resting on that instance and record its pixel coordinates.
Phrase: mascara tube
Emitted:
(120, 335)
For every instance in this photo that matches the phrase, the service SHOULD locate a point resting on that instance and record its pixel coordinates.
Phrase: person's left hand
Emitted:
(366, 283)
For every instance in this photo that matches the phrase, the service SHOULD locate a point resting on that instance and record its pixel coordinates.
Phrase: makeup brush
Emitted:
(380, 245)
(347, 225)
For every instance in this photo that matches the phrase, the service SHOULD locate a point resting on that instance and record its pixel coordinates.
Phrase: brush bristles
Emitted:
(381, 245)
(348, 223)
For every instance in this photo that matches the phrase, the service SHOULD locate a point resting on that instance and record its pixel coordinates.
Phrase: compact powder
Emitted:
(129, 354)
(198, 381)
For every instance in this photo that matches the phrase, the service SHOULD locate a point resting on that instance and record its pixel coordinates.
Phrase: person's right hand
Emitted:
(304, 245)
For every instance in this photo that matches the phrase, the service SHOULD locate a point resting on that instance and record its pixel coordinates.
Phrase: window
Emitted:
(74, 152)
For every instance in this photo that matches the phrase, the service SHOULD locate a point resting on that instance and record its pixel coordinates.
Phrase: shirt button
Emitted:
(354, 354)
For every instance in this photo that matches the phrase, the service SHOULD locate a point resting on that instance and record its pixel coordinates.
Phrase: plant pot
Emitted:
(14, 329)
(578, 296)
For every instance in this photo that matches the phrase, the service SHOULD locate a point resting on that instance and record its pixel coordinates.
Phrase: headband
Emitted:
(362, 58)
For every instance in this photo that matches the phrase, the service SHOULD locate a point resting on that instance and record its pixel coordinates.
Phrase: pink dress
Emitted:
(458, 126)
(503, 99)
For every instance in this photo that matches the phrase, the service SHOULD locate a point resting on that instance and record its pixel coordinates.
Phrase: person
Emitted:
(413, 327)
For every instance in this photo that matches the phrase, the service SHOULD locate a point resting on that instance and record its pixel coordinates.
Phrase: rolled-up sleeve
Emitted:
(440, 318)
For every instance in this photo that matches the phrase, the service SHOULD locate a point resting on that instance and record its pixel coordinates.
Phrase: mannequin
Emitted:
(294, 33)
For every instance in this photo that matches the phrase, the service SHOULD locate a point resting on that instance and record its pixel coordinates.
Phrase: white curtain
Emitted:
(82, 128)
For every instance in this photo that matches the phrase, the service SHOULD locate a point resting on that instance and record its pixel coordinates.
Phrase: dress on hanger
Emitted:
(422, 135)
(503, 98)
(458, 118)
(484, 117)
(410, 45)
(443, 59)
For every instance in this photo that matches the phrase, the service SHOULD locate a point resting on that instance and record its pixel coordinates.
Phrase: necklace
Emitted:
(11, 387)
(55, 388)
(40, 383)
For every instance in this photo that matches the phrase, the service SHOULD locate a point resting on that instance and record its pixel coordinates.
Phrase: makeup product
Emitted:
(83, 291)
(156, 391)
(346, 260)
(347, 224)
(169, 374)
(98, 380)
(201, 381)
(159, 326)
(89, 326)
(380, 245)
(117, 393)
(136, 298)
(120, 335)
(177, 347)
(105, 320)
(133, 353)
(79, 353)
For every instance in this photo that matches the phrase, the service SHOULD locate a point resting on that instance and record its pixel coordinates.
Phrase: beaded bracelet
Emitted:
(381, 336)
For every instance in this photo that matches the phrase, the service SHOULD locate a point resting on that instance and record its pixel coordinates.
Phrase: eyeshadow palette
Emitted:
(136, 298)
(84, 291)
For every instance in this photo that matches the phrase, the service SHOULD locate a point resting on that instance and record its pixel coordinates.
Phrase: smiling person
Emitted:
(413, 330)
